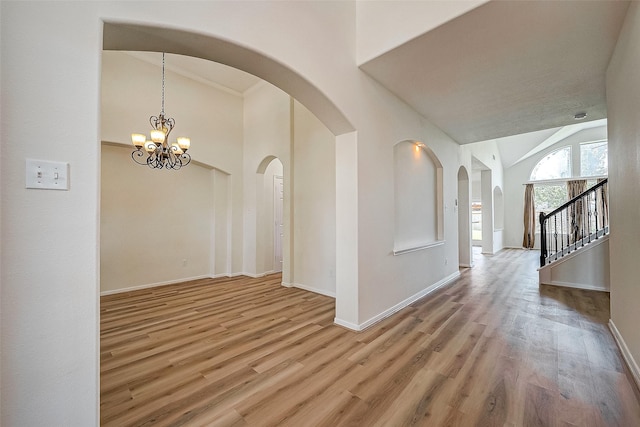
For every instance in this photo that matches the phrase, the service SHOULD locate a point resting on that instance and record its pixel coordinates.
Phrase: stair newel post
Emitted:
(543, 239)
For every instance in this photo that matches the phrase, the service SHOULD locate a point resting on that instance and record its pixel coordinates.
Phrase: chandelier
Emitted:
(159, 154)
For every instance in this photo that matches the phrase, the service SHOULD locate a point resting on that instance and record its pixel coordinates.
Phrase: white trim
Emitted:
(324, 292)
(565, 180)
(397, 252)
(576, 285)
(252, 275)
(626, 354)
(153, 285)
(345, 324)
(267, 273)
(402, 304)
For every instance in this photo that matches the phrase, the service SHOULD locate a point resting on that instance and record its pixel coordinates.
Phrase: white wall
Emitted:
(314, 204)
(155, 226)
(587, 268)
(386, 281)
(49, 238)
(267, 135)
(222, 238)
(212, 118)
(623, 105)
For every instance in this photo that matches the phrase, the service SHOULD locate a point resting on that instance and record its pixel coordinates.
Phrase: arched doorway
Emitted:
(465, 254)
(126, 36)
(270, 218)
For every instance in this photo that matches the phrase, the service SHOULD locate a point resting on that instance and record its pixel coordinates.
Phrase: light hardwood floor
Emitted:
(492, 349)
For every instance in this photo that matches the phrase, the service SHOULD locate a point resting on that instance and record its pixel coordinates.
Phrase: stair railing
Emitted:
(576, 223)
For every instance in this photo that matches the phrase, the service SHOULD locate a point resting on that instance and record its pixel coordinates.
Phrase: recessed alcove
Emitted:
(418, 190)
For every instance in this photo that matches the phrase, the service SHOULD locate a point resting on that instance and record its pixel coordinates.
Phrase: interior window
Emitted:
(554, 165)
(593, 159)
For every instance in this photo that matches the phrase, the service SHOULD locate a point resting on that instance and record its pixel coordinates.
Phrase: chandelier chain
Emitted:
(162, 84)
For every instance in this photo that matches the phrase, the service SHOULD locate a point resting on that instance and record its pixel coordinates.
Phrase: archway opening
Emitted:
(463, 206)
(270, 215)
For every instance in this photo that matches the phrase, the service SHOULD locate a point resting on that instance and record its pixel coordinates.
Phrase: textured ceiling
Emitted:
(507, 68)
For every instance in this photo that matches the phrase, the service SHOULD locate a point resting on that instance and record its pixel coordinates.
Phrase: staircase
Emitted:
(574, 246)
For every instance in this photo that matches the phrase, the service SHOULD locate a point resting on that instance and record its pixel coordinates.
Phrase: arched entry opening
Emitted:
(465, 254)
(482, 206)
(121, 36)
(269, 215)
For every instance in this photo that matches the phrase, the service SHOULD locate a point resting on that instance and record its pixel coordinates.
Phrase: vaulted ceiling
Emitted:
(507, 67)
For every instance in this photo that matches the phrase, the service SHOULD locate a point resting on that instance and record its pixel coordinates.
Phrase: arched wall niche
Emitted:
(141, 37)
(418, 197)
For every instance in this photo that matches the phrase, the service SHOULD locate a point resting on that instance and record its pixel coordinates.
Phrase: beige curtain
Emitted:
(529, 238)
(602, 204)
(576, 212)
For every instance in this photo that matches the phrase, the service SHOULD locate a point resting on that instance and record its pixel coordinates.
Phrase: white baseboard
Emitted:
(626, 354)
(236, 274)
(584, 286)
(153, 285)
(423, 293)
(345, 324)
(252, 275)
(310, 289)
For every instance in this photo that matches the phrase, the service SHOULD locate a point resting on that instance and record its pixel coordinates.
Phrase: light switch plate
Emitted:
(47, 175)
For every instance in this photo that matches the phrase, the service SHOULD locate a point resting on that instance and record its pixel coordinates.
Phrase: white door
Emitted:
(278, 229)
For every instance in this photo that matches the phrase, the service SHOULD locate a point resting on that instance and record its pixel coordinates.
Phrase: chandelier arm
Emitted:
(169, 124)
(155, 122)
(152, 160)
(185, 156)
(174, 161)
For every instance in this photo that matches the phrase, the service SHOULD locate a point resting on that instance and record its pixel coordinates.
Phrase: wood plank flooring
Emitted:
(492, 349)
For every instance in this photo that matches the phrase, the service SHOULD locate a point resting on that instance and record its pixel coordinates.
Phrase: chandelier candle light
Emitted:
(159, 153)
